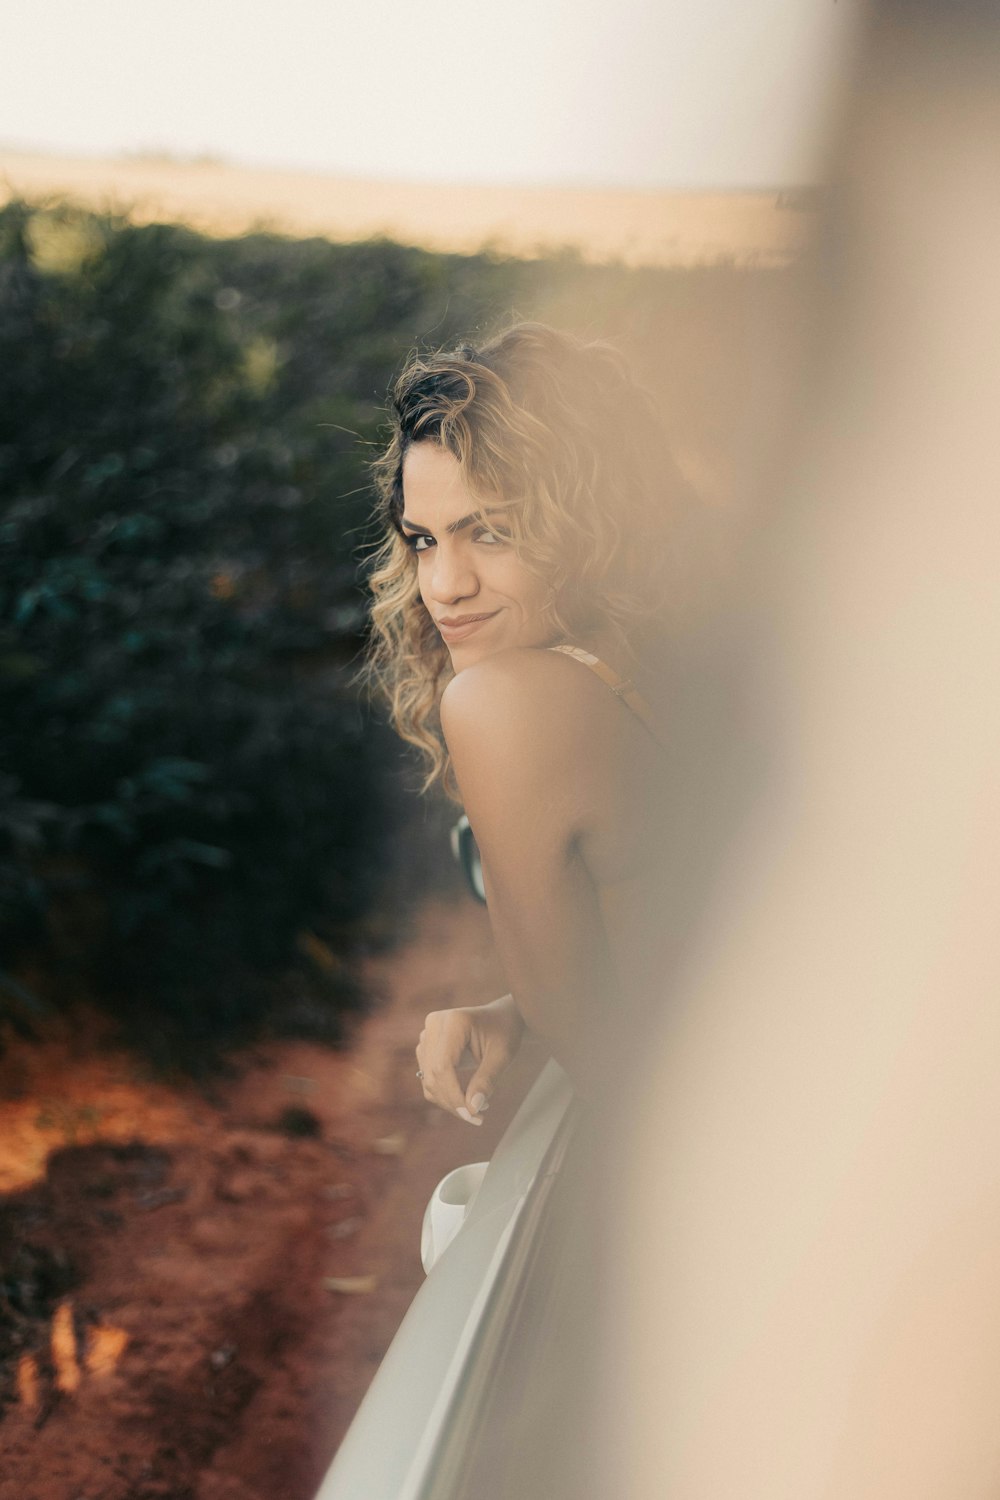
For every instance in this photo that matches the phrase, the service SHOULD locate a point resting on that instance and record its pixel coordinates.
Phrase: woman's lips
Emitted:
(457, 627)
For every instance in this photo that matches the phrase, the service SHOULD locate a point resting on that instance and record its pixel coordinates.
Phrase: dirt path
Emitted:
(199, 1292)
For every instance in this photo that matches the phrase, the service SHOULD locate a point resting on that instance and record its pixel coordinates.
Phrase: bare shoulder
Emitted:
(525, 695)
(530, 748)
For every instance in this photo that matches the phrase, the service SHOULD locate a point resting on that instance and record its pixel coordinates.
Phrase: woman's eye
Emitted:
(491, 538)
(419, 542)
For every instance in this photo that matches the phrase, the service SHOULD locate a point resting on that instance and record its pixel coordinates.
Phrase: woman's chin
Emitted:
(465, 654)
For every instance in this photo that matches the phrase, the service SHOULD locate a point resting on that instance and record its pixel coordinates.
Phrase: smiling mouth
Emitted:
(458, 627)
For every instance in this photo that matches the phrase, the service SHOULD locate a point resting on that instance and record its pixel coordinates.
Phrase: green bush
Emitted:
(185, 760)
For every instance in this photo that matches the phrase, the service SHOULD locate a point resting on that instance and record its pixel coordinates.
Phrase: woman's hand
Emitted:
(490, 1033)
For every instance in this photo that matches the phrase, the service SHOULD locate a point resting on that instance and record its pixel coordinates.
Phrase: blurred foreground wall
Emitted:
(805, 1274)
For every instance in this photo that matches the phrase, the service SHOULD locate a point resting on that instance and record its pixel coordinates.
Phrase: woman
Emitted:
(524, 581)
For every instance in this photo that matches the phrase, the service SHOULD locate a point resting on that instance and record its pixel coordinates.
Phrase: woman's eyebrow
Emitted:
(460, 525)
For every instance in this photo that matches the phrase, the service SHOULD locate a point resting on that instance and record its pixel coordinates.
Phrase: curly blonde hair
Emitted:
(555, 431)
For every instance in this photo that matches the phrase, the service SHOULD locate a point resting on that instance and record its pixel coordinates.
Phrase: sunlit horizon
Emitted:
(165, 156)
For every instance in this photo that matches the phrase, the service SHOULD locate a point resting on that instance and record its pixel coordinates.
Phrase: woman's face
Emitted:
(478, 592)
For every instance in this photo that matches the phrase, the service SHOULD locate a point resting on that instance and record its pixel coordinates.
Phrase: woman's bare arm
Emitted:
(532, 761)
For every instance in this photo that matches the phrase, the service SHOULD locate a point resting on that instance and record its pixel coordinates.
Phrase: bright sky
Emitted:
(658, 93)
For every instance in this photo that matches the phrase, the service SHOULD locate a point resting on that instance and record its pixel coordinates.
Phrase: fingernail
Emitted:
(479, 1103)
(463, 1114)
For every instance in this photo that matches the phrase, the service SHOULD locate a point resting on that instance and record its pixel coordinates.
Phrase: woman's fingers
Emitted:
(445, 1036)
(484, 1080)
(499, 1030)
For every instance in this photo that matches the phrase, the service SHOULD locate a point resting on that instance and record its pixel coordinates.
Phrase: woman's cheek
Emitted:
(423, 578)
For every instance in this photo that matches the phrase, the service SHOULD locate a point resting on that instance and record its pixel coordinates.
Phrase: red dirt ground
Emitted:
(199, 1298)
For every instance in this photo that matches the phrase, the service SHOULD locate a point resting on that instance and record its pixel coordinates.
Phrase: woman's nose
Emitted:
(452, 576)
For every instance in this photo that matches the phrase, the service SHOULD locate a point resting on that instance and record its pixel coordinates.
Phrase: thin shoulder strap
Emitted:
(620, 686)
